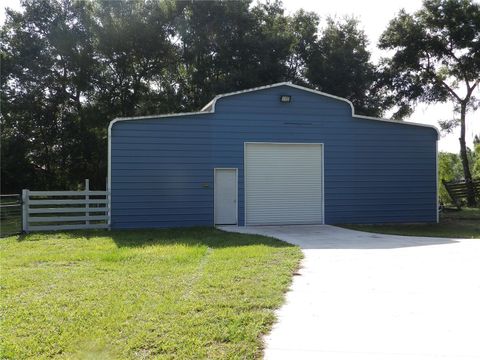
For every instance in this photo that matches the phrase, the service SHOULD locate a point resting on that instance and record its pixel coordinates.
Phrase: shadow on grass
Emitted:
(193, 236)
(307, 237)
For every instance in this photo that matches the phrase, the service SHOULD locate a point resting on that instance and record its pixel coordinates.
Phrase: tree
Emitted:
(339, 63)
(136, 58)
(47, 67)
(303, 27)
(437, 59)
(70, 67)
(231, 45)
(215, 49)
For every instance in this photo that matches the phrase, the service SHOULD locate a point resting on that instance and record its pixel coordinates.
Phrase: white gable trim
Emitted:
(210, 107)
(212, 103)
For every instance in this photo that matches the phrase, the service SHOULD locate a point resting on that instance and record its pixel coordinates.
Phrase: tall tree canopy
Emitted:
(48, 63)
(437, 59)
(70, 67)
(339, 63)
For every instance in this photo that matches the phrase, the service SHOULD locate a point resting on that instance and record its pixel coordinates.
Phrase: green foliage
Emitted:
(46, 68)
(449, 169)
(436, 49)
(171, 294)
(339, 63)
(476, 159)
(227, 46)
(69, 68)
(437, 58)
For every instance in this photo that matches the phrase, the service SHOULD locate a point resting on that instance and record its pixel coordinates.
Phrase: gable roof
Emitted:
(212, 103)
(210, 107)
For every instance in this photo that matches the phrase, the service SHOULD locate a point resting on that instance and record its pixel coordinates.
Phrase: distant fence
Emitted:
(10, 215)
(458, 190)
(65, 210)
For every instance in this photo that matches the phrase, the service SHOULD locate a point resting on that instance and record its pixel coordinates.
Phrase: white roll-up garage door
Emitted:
(283, 183)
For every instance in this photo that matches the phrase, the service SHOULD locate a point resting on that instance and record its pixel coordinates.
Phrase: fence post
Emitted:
(25, 196)
(109, 201)
(87, 197)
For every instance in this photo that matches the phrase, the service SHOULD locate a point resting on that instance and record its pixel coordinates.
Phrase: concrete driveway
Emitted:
(370, 296)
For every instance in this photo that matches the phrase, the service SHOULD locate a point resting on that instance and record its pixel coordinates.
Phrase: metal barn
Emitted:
(278, 154)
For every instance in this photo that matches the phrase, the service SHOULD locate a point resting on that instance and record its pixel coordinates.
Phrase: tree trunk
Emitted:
(463, 155)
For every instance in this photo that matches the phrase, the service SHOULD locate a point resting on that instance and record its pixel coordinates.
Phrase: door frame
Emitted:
(214, 191)
(280, 143)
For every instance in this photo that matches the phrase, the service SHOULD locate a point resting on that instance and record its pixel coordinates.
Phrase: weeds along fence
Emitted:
(65, 210)
(10, 214)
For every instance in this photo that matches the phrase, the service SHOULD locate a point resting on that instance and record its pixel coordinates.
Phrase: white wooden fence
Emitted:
(65, 210)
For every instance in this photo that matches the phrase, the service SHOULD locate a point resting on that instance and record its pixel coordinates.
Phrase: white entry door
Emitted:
(225, 196)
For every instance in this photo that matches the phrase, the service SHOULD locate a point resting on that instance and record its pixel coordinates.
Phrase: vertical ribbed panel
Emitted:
(283, 183)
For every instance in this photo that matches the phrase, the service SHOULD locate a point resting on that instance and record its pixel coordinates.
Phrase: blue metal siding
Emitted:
(162, 169)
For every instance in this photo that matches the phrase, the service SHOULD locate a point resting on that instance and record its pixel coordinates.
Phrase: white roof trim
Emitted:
(210, 107)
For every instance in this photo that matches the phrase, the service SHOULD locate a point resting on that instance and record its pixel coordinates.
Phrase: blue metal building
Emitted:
(279, 154)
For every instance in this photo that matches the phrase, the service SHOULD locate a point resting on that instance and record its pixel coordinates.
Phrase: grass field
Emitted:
(453, 224)
(166, 294)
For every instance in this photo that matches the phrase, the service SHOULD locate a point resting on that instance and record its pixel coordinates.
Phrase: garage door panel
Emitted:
(284, 183)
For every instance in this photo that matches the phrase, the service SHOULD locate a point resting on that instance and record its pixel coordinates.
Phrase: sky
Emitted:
(374, 16)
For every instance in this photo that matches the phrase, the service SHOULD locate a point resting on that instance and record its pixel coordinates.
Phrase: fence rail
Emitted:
(458, 191)
(68, 202)
(65, 210)
(10, 214)
(67, 193)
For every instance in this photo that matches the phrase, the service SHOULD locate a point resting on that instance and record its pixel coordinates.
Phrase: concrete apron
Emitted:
(371, 296)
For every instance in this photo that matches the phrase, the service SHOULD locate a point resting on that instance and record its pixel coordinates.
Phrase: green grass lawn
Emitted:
(453, 224)
(166, 294)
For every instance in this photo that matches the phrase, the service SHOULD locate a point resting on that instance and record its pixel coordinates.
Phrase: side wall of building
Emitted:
(162, 169)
